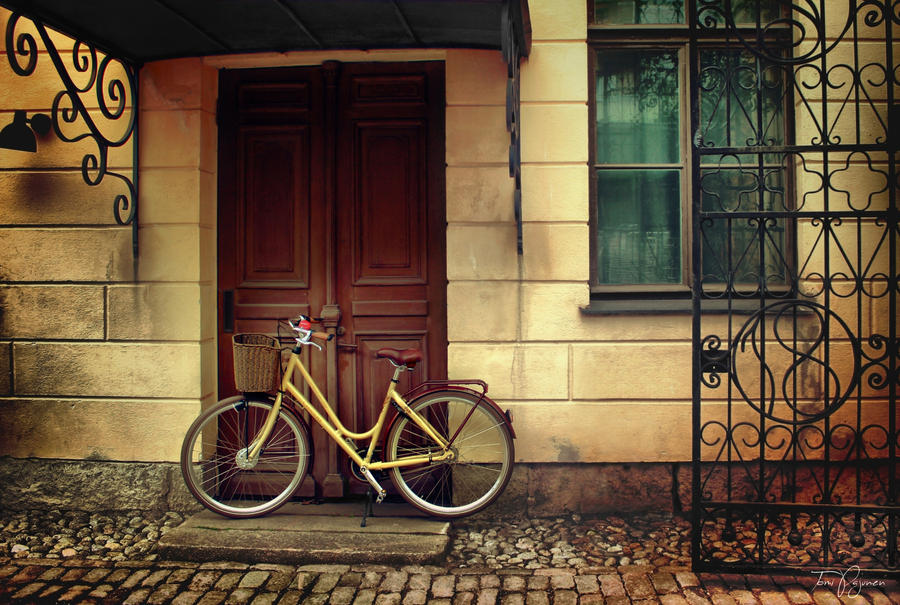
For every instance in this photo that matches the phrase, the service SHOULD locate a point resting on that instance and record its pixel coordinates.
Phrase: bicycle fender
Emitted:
(395, 414)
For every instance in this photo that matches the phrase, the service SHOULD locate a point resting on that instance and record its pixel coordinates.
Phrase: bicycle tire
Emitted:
(483, 448)
(214, 458)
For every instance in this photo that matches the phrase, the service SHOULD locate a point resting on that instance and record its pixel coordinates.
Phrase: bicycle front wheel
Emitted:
(217, 458)
(482, 447)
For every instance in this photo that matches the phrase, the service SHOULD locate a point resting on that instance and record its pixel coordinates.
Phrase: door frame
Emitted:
(327, 374)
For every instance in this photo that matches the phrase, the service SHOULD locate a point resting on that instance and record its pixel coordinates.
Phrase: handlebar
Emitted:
(302, 325)
(321, 336)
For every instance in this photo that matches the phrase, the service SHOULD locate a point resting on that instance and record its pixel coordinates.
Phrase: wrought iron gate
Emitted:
(795, 284)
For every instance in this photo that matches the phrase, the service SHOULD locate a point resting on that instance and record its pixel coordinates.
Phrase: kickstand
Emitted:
(367, 509)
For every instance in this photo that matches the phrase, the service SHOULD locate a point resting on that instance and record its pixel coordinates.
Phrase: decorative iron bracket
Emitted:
(97, 74)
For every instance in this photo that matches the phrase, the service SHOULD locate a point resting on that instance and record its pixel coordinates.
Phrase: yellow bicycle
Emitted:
(448, 448)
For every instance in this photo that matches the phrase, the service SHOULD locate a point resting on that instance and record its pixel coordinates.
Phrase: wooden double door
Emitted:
(331, 204)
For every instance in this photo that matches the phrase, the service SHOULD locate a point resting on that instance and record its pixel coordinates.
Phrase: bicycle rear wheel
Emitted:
(483, 455)
(215, 459)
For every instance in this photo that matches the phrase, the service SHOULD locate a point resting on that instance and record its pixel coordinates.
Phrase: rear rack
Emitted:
(465, 385)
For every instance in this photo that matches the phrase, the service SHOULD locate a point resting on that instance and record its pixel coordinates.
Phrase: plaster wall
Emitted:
(104, 356)
(99, 362)
(581, 388)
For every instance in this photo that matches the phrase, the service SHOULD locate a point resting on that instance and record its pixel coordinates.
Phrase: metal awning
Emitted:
(140, 31)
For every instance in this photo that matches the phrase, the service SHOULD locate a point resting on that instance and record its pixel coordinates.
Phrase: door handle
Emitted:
(347, 345)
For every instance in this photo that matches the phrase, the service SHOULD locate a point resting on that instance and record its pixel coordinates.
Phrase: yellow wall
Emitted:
(132, 358)
(577, 385)
(96, 362)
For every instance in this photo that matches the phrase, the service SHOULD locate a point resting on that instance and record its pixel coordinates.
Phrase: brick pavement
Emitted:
(182, 583)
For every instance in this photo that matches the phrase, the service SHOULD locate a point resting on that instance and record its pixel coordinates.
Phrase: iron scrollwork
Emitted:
(112, 83)
(797, 446)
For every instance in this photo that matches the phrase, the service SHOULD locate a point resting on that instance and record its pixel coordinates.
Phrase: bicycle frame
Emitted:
(340, 434)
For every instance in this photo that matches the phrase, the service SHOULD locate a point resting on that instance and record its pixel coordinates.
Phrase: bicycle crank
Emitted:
(379, 491)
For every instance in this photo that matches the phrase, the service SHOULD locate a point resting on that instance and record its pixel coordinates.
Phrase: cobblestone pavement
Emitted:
(610, 560)
(181, 583)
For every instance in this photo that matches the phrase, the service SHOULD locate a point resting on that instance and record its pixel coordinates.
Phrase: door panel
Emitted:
(391, 250)
(274, 208)
(389, 230)
(331, 203)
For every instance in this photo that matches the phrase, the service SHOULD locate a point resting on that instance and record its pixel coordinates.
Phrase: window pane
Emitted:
(740, 100)
(638, 227)
(625, 12)
(746, 252)
(637, 107)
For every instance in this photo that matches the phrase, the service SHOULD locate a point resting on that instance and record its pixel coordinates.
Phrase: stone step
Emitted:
(312, 533)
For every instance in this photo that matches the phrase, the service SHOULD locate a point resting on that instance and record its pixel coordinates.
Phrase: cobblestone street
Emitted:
(612, 560)
(181, 583)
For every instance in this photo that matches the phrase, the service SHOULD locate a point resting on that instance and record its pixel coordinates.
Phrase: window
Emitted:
(644, 154)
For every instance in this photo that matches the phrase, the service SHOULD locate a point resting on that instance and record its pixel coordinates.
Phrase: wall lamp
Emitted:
(19, 136)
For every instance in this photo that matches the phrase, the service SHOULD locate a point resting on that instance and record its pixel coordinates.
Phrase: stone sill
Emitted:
(660, 306)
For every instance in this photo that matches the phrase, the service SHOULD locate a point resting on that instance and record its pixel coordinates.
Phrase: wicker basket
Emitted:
(257, 361)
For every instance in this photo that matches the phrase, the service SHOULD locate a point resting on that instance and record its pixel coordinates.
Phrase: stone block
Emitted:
(51, 312)
(170, 253)
(172, 195)
(530, 371)
(867, 122)
(5, 368)
(482, 310)
(562, 63)
(171, 138)
(481, 252)
(558, 19)
(68, 255)
(209, 142)
(554, 133)
(475, 77)
(870, 54)
(555, 193)
(476, 135)
(556, 489)
(552, 311)
(844, 240)
(93, 486)
(174, 85)
(107, 429)
(209, 360)
(553, 251)
(208, 259)
(107, 370)
(595, 365)
(479, 194)
(549, 431)
(56, 198)
(855, 186)
(155, 312)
